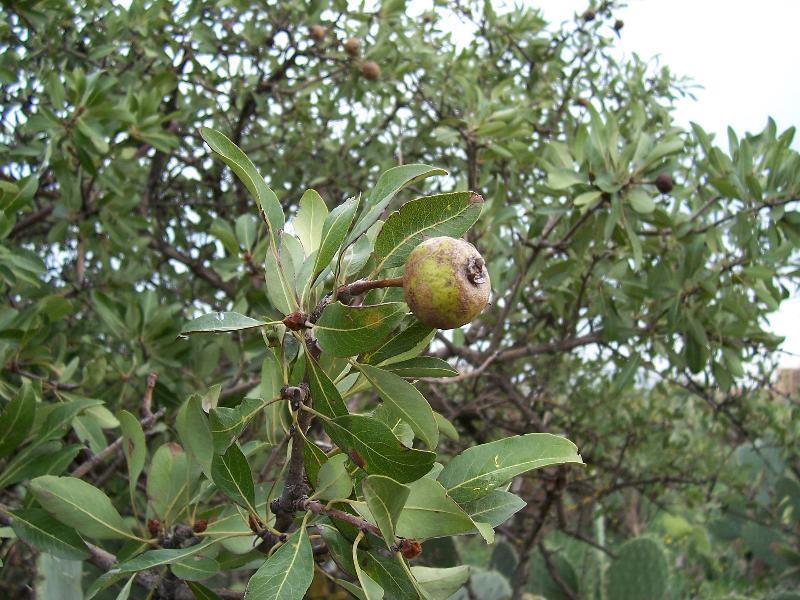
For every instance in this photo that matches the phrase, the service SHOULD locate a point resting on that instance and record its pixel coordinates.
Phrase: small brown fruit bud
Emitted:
(318, 32)
(589, 15)
(200, 525)
(619, 24)
(296, 320)
(410, 549)
(664, 183)
(352, 46)
(370, 70)
(153, 526)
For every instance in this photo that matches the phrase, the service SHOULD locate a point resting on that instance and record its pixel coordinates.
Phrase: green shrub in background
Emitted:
(633, 264)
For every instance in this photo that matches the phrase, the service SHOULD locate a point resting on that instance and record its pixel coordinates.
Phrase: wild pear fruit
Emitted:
(445, 282)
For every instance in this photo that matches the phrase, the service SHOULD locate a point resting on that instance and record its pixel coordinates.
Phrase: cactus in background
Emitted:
(504, 559)
(640, 571)
(542, 581)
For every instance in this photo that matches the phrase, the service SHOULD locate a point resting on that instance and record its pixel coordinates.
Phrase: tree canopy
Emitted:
(197, 200)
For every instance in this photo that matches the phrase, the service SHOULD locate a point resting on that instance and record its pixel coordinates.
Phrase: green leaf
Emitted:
(440, 583)
(61, 416)
(392, 576)
(369, 588)
(445, 426)
(429, 512)
(276, 414)
(195, 433)
(389, 183)
(494, 508)
(231, 528)
(587, 198)
(279, 291)
(218, 322)
(228, 423)
(268, 204)
(195, 568)
(338, 546)
(17, 419)
(381, 452)
(641, 201)
(310, 219)
(81, 506)
(347, 330)
(134, 446)
(405, 402)
(400, 428)
(287, 574)
(104, 581)
(125, 592)
(313, 459)
(326, 398)
(58, 579)
(333, 480)
(157, 558)
(169, 482)
(414, 336)
(662, 149)
(201, 592)
(385, 499)
(635, 242)
(422, 366)
(480, 469)
(356, 591)
(562, 179)
(37, 528)
(246, 231)
(94, 136)
(334, 230)
(46, 461)
(444, 214)
(231, 473)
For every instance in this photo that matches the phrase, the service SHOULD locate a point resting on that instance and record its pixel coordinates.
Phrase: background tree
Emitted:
(633, 266)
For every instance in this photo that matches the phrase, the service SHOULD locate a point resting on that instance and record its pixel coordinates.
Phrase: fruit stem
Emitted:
(356, 288)
(364, 285)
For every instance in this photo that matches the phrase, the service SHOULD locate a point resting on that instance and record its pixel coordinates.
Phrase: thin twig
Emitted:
(113, 447)
(146, 422)
(361, 524)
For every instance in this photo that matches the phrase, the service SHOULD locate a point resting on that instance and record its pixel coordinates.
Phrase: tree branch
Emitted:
(294, 487)
(209, 275)
(357, 522)
(146, 422)
(31, 219)
(113, 447)
(150, 579)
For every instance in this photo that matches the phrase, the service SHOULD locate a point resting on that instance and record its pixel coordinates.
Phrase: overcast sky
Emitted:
(745, 56)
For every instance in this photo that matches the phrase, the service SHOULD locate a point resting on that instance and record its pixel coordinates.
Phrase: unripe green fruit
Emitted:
(445, 282)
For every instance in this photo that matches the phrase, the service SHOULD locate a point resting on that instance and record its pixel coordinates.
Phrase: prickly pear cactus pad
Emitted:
(639, 572)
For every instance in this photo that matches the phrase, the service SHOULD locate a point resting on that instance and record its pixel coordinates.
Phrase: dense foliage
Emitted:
(633, 265)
